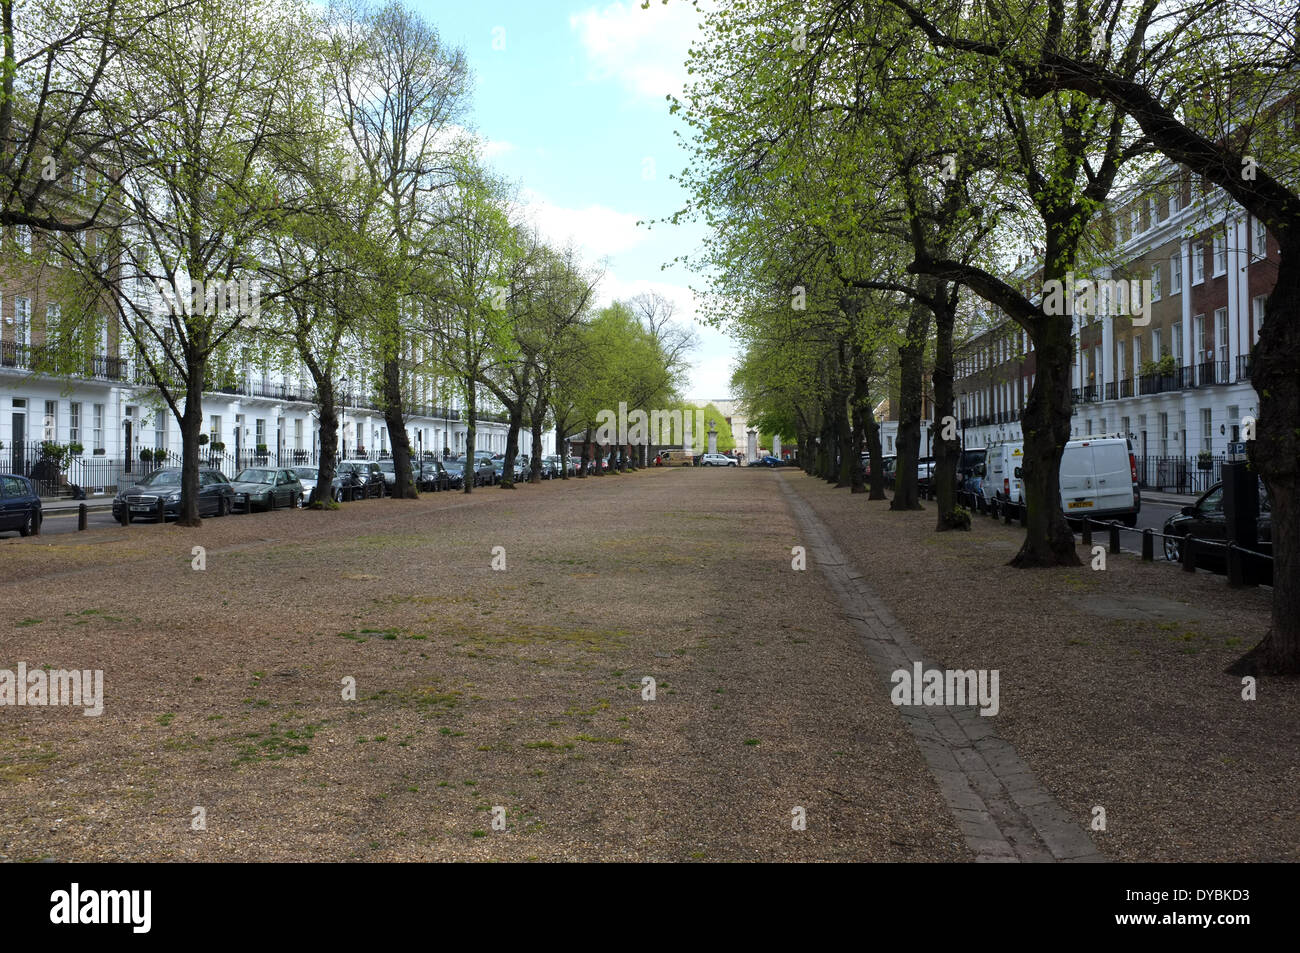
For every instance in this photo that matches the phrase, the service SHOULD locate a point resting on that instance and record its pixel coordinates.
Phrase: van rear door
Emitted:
(1114, 479)
(1078, 481)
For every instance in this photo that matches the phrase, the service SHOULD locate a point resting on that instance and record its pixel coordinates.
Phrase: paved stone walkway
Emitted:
(1005, 814)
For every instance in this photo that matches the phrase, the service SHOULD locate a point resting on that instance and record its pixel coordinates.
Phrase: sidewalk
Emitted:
(59, 504)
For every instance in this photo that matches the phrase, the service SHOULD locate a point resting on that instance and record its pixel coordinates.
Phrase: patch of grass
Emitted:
(752, 742)
(166, 719)
(277, 745)
(26, 622)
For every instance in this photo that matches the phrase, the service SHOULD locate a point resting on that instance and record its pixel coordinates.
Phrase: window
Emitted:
(1221, 333)
(1175, 273)
(297, 434)
(1259, 240)
(22, 320)
(1119, 363)
(260, 440)
(1135, 219)
(1137, 356)
(51, 420)
(1207, 431)
(1153, 210)
(1174, 199)
(1198, 262)
(1177, 342)
(1155, 283)
(214, 428)
(74, 422)
(1220, 254)
(160, 430)
(1257, 308)
(1198, 339)
(1156, 344)
(97, 434)
(79, 179)
(1126, 425)
(1163, 431)
(23, 238)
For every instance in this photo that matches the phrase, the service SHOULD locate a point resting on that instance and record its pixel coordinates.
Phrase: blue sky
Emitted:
(568, 99)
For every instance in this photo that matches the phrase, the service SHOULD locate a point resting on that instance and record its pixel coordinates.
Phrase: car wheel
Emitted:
(270, 500)
(29, 525)
(1173, 549)
(222, 507)
(338, 495)
(297, 500)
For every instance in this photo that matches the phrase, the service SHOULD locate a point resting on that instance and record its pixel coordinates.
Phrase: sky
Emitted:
(568, 99)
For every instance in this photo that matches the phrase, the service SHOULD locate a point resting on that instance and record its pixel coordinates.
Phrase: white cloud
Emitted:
(643, 49)
(597, 229)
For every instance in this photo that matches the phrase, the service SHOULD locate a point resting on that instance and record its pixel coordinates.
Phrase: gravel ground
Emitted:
(1112, 682)
(475, 688)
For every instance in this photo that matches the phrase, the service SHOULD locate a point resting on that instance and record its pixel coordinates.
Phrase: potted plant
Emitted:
(1205, 460)
(218, 446)
(146, 455)
(99, 451)
(76, 449)
(203, 439)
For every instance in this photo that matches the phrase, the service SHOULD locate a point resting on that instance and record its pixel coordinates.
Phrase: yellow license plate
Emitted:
(1080, 505)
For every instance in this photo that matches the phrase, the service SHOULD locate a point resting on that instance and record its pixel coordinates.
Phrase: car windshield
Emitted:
(162, 478)
(387, 466)
(453, 465)
(306, 473)
(255, 476)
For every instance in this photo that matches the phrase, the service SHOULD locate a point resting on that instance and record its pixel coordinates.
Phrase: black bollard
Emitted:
(1114, 537)
(81, 517)
(1148, 545)
(1189, 554)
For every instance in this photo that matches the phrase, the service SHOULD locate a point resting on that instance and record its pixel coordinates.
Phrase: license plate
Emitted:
(1079, 505)
(141, 508)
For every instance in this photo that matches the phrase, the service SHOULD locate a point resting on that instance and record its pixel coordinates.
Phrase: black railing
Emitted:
(1187, 475)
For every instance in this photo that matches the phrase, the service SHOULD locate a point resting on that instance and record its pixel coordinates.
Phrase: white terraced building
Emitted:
(1177, 386)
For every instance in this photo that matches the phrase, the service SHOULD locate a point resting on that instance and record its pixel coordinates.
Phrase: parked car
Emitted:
(1002, 474)
(1205, 519)
(20, 506)
(431, 476)
(309, 477)
(158, 495)
(766, 461)
(389, 469)
(266, 488)
(676, 458)
(363, 477)
(718, 460)
(455, 471)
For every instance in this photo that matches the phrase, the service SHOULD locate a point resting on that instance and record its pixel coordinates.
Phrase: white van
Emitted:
(1099, 480)
(1002, 473)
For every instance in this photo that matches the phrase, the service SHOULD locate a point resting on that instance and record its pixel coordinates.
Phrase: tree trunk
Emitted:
(911, 358)
(861, 409)
(947, 448)
(1049, 541)
(471, 432)
(512, 446)
(1275, 452)
(327, 465)
(535, 458)
(191, 426)
(404, 488)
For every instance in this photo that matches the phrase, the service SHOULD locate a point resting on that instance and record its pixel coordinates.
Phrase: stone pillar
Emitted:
(713, 438)
(751, 444)
(776, 445)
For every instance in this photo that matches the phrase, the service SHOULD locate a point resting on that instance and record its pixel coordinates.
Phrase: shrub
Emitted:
(959, 518)
(146, 455)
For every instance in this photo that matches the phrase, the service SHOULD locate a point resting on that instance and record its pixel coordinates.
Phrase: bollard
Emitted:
(1087, 532)
(1006, 512)
(1189, 554)
(1114, 537)
(81, 517)
(1148, 545)
(1236, 567)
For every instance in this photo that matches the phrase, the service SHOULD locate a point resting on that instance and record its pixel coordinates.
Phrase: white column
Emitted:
(1187, 357)
(1232, 235)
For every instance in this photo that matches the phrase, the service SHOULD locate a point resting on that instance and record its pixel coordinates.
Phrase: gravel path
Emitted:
(1112, 682)
(475, 689)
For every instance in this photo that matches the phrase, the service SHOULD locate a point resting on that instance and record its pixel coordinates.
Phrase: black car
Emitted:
(432, 476)
(158, 496)
(456, 474)
(1205, 519)
(766, 461)
(20, 507)
(362, 478)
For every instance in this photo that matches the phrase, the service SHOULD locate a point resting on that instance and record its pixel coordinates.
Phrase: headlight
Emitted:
(173, 498)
